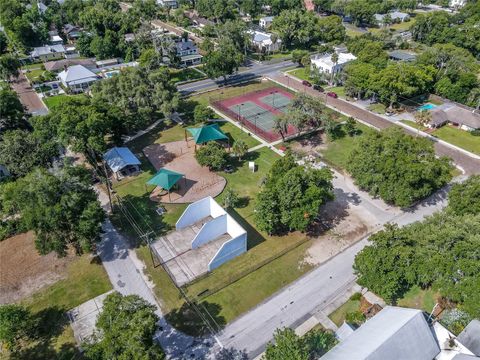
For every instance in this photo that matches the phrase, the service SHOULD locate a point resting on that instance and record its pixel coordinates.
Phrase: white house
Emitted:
(262, 42)
(396, 16)
(456, 4)
(323, 62)
(265, 21)
(48, 52)
(77, 78)
(188, 53)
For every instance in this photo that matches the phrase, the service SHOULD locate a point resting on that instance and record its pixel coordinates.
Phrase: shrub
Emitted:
(212, 155)
(356, 297)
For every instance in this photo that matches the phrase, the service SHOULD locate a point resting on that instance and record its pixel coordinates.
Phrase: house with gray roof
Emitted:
(470, 336)
(401, 55)
(122, 162)
(465, 118)
(262, 42)
(396, 16)
(77, 78)
(266, 21)
(48, 52)
(187, 50)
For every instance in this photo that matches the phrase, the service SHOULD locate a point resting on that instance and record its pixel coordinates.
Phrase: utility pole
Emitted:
(107, 182)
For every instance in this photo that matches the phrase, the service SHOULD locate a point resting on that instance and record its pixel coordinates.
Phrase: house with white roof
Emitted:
(399, 333)
(48, 52)
(172, 4)
(396, 16)
(262, 42)
(77, 78)
(456, 4)
(323, 62)
(122, 162)
(55, 39)
(266, 21)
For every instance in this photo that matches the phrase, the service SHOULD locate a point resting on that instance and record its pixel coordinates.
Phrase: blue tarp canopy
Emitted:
(119, 157)
(207, 133)
(165, 179)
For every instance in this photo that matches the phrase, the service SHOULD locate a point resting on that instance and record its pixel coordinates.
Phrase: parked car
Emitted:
(306, 83)
(332, 94)
(318, 87)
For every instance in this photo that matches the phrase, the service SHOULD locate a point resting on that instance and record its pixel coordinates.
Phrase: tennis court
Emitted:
(258, 110)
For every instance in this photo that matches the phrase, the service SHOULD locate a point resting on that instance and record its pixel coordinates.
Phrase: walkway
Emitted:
(28, 97)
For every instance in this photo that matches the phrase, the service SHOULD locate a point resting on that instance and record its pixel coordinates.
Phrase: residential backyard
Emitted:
(57, 100)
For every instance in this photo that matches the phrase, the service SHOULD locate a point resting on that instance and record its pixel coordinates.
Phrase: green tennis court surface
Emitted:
(277, 101)
(254, 114)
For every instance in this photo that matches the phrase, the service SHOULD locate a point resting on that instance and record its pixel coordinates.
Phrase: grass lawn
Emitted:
(339, 315)
(276, 55)
(57, 100)
(398, 27)
(338, 150)
(301, 73)
(34, 74)
(235, 133)
(418, 298)
(32, 66)
(86, 278)
(339, 90)
(377, 108)
(453, 135)
(187, 74)
(459, 138)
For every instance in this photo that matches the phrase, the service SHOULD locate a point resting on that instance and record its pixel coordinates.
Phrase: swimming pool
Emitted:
(427, 106)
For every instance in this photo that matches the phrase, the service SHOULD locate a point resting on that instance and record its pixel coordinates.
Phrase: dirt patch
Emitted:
(311, 144)
(23, 271)
(339, 229)
(179, 156)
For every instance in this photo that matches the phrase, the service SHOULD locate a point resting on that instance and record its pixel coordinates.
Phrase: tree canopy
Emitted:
(125, 330)
(61, 208)
(291, 196)
(464, 198)
(212, 155)
(397, 167)
(15, 323)
(12, 113)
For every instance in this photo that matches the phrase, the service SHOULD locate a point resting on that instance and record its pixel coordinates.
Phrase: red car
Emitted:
(332, 94)
(306, 83)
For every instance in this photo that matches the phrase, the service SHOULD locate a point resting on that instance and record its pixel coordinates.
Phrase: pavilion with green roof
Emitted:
(166, 179)
(206, 133)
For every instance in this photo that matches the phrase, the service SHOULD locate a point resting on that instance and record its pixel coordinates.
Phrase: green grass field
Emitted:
(418, 298)
(377, 108)
(187, 74)
(338, 150)
(53, 101)
(34, 74)
(301, 73)
(339, 315)
(85, 279)
(339, 90)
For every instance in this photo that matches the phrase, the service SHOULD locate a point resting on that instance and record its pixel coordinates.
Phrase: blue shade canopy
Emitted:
(207, 133)
(165, 179)
(119, 157)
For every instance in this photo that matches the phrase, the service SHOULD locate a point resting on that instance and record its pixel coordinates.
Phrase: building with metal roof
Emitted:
(48, 52)
(122, 162)
(77, 78)
(470, 336)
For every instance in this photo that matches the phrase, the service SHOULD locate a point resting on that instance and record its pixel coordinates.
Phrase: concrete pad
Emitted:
(83, 317)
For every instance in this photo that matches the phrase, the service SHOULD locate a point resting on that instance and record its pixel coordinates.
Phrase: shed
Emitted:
(122, 162)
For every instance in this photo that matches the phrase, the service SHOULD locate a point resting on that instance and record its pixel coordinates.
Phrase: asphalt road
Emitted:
(311, 293)
(254, 70)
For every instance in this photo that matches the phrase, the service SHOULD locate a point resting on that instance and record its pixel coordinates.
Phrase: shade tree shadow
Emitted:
(254, 238)
(197, 319)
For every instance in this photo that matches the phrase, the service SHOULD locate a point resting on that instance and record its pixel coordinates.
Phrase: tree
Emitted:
(12, 112)
(298, 55)
(292, 196)
(223, 60)
(422, 118)
(331, 30)
(212, 155)
(288, 345)
(239, 148)
(202, 114)
(464, 198)
(230, 199)
(373, 53)
(297, 28)
(142, 96)
(15, 324)
(125, 330)
(21, 151)
(3, 43)
(334, 59)
(9, 67)
(361, 12)
(62, 209)
(350, 127)
(397, 167)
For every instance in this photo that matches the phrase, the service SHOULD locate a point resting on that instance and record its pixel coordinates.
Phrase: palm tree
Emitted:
(334, 59)
(422, 118)
(239, 148)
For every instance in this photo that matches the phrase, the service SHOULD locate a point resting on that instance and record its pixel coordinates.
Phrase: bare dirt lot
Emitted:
(23, 271)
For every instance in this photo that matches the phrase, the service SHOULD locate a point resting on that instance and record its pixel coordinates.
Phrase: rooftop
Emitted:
(119, 157)
(47, 49)
(456, 114)
(470, 337)
(402, 55)
(326, 59)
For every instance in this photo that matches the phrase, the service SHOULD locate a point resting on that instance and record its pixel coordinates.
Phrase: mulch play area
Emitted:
(179, 156)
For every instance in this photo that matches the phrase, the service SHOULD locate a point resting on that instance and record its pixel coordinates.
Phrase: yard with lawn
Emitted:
(53, 101)
(33, 75)
(302, 73)
(418, 298)
(377, 108)
(185, 75)
(337, 151)
(85, 279)
(339, 90)
(273, 56)
(452, 135)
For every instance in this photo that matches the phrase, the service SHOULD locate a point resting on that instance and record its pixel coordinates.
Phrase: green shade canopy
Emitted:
(207, 133)
(165, 179)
